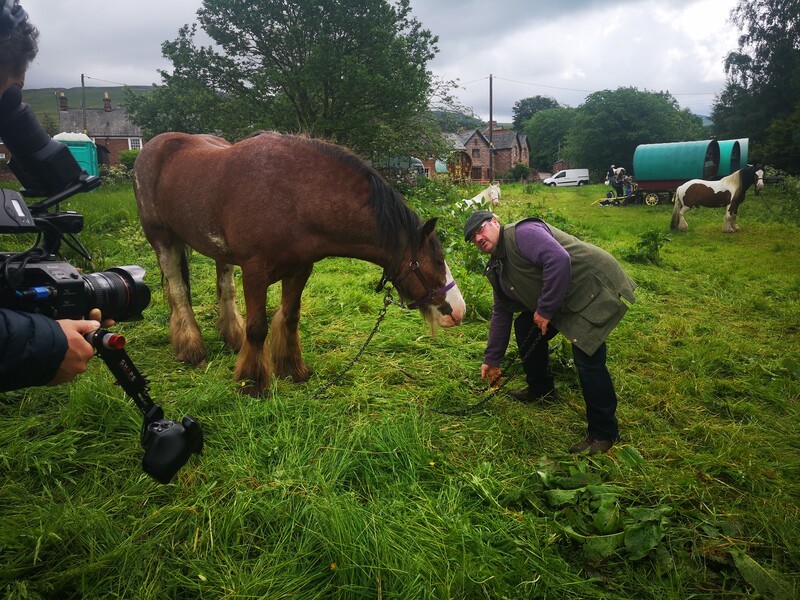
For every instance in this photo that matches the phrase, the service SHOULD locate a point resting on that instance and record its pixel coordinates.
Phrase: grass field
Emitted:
(366, 492)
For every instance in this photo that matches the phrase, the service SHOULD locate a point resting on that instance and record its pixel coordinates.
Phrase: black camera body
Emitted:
(168, 445)
(39, 280)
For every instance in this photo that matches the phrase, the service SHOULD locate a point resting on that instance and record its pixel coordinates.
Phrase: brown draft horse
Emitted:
(274, 205)
(728, 191)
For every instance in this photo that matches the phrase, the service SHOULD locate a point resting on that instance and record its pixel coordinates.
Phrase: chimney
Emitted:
(106, 102)
(62, 102)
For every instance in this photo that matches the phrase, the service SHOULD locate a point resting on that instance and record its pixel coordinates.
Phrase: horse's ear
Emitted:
(428, 227)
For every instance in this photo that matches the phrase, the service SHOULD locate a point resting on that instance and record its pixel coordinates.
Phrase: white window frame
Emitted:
(134, 143)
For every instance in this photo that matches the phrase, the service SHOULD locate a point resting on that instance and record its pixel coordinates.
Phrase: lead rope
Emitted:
(387, 301)
(516, 367)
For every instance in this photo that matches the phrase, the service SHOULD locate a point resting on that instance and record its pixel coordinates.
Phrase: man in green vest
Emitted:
(557, 283)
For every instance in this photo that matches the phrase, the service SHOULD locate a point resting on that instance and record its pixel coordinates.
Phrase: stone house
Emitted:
(108, 127)
(510, 148)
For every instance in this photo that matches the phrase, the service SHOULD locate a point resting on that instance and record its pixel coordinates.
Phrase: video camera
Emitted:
(39, 281)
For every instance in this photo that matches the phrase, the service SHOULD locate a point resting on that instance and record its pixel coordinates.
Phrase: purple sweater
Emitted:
(537, 245)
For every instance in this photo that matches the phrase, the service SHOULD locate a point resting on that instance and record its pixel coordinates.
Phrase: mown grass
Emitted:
(367, 492)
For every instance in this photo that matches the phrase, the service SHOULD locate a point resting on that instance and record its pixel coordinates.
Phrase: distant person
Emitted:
(616, 178)
(557, 283)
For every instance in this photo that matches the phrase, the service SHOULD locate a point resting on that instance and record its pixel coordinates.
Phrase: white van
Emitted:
(568, 177)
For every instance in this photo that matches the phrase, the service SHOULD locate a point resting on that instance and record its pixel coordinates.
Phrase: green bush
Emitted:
(115, 175)
(128, 157)
(519, 172)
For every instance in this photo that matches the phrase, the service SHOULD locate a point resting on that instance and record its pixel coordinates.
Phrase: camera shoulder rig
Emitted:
(167, 445)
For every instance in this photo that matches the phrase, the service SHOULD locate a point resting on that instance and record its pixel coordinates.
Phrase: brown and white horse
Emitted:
(728, 192)
(274, 205)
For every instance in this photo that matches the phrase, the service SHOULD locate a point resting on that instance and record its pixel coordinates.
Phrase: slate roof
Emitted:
(100, 123)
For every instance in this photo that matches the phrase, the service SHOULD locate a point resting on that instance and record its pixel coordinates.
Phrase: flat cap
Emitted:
(475, 219)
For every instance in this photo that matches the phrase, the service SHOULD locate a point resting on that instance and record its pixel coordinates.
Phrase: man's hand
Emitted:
(492, 374)
(95, 315)
(79, 351)
(541, 322)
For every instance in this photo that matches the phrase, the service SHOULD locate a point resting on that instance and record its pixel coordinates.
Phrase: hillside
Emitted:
(44, 101)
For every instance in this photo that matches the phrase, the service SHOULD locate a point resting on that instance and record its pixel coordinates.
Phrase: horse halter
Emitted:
(431, 294)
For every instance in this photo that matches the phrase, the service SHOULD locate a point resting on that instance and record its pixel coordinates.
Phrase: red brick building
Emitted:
(510, 148)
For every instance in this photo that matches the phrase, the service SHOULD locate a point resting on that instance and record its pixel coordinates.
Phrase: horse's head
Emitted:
(758, 177)
(424, 281)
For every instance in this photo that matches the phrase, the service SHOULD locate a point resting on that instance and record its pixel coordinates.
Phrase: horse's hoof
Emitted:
(297, 373)
(194, 359)
(251, 389)
(303, 376)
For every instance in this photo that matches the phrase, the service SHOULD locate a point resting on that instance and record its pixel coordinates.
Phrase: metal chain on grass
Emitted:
(771, 212)
(506, 379)
(387, 301)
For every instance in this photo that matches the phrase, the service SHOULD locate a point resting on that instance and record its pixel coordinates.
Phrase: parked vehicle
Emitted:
(568, 177)
(661, 168)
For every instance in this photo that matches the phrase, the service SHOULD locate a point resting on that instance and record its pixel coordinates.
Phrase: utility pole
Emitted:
(491, 134)
(83, 102)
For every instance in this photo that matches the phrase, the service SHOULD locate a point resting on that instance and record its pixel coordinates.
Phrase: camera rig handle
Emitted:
(167, 445)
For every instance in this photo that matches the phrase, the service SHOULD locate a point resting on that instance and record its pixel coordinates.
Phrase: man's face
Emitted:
(486, 236)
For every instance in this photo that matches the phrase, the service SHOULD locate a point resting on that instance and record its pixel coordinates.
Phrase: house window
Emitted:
(476, 152)
(134, 143)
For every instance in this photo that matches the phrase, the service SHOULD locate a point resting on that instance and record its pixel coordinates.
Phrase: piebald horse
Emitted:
(728, 191)
(274, 205)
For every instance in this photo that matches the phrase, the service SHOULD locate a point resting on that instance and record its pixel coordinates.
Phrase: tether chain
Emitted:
(506, 379)
(387, 300)
(771, 212)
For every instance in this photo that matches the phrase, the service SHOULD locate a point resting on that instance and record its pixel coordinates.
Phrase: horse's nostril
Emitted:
(445, 308)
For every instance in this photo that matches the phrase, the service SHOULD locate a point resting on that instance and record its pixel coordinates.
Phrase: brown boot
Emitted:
(592, 445)
(529, 397)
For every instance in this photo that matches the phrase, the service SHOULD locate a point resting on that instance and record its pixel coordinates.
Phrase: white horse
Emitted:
(490, 195)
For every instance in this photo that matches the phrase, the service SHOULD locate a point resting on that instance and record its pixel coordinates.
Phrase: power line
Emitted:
(114, 82)
(565, 89)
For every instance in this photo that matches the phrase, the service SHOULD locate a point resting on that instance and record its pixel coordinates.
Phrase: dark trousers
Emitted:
(596, 385)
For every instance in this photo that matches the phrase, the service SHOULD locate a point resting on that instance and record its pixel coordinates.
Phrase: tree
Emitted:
(527, 107)
(457, 121)
(352, 72)
(782, 146)
(763, 78)
(547, 130)
(609, 125)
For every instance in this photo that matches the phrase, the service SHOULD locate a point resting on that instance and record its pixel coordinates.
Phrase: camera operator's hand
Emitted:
(79, 351)
(95, 315)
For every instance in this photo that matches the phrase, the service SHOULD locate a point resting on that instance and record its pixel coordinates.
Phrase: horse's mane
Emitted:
(734, 178)
(395, 222)
(743, 178)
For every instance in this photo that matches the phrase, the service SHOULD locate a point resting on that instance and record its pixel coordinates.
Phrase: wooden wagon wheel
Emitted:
(651, 199)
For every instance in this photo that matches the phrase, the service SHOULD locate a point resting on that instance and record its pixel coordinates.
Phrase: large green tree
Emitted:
(524, 109)
(547, 130)
(609, 125)
(762, 93)
(351, 71)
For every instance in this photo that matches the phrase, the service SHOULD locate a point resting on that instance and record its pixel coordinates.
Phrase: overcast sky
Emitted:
(563, 49)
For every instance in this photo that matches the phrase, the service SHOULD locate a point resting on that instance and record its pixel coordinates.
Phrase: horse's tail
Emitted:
(676, 212)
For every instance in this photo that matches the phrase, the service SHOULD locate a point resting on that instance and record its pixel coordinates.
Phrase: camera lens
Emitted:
(120, 293)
